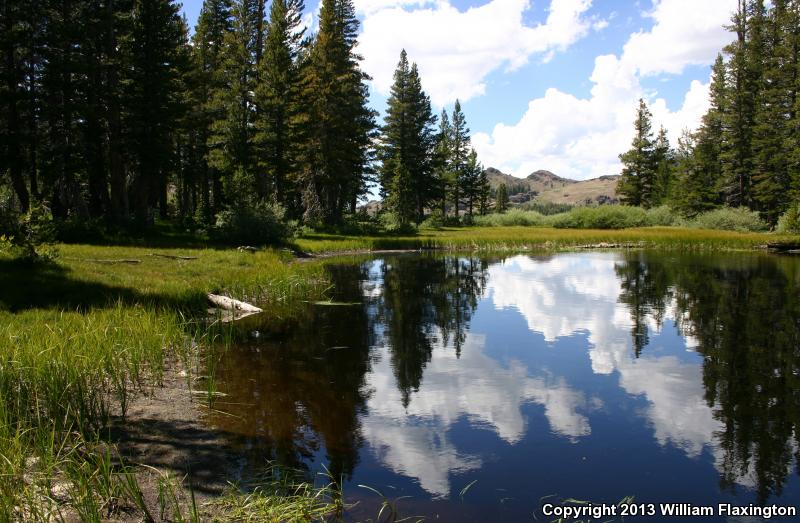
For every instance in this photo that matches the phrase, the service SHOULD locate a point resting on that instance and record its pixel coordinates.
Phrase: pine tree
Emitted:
(338, 125)
(441, 159)
(208, 52)
(232, 135)
(501, 198)
(156, 54)
(472, 182)
(746, 53)
(484, 189)
(459, 154)
(664, 162)
(771, 131)
(710, 138)
(277, 98)
(636, 182)
(407, 145)
(11, 98)
(694, 190)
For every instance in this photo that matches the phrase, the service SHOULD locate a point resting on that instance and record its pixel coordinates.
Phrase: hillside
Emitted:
(545, 186)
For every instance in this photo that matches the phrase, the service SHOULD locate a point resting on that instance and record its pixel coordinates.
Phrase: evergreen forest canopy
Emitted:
(110, 111)
(111, 114)
(746, 152)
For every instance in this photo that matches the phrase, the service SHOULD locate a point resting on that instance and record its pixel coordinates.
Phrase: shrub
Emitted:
(602, 217)
(27, 235)
(663, 216)
(512, 217)
(391, 223)
(77, 229)
(789, 222)
(547, 208)
(259, 224)
(730, 219)
(435, 220)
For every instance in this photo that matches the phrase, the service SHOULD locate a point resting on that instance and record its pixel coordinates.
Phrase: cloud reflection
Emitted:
(414, 441)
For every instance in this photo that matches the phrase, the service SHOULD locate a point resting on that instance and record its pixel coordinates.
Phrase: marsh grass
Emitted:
(81, 337)
(516, 238)
(285, 495)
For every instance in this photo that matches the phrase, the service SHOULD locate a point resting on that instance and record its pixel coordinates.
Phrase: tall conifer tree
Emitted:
(636, 182)
(338, 124)
(407, 145)
(278, 102)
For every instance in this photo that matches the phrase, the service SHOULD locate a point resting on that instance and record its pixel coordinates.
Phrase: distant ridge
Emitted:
(545, 186)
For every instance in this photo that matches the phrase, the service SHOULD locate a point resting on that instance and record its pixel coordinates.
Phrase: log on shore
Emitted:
(172, 256)
(229, 304)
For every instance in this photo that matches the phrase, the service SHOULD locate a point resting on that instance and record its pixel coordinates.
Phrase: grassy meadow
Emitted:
(84, 335)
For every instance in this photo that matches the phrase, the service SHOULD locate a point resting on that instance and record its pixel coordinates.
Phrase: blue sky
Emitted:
(547, 84)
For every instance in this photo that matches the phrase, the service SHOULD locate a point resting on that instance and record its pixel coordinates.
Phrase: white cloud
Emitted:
(455, 50)
(581, 137)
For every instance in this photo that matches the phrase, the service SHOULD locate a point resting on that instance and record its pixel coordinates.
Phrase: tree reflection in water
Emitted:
(303, 391)
(744, 313)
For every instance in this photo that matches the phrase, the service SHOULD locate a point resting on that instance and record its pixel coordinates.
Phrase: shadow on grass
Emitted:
(25, 285)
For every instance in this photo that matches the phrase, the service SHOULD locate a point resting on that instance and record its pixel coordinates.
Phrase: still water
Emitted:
(596, 376)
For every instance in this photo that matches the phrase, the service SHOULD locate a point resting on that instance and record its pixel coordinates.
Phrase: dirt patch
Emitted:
(164, 434)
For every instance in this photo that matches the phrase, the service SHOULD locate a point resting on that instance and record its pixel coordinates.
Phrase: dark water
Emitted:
(671, 378)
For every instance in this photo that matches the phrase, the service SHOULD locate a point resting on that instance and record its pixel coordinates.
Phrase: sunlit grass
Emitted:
(502, 238)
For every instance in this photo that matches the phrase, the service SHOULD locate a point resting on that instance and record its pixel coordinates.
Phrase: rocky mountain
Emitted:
(545, 186)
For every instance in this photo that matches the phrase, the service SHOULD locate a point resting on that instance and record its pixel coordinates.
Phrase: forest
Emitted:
(746, 151)
(114, 117)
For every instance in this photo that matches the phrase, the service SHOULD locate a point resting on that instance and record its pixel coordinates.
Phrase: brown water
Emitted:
(671, 378)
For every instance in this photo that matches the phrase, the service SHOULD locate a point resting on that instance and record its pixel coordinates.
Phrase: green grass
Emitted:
(501, 238)
(81, 336)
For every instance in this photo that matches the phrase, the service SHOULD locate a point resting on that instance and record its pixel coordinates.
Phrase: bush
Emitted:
(391, 223)
(435, 220)
(259, 224)
(730, 219)
(602, 217)
(77, 229)
(663, 216)
(27, 235)
(789, 222)
(547, 208)
(512, 217)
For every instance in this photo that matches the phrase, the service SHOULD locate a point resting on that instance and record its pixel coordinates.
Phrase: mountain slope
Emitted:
(544, 186)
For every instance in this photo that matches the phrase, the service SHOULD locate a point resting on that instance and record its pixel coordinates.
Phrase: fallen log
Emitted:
(229, 304)
(93, 260)
(228, 309)
(172, 256)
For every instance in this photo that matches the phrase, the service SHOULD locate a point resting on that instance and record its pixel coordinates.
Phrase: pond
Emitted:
(480, 388)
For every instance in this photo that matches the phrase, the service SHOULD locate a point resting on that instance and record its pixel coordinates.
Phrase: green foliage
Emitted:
(789, 222)
(391, 222)
(259, 224)
(730, 219)
(602, 217)
(435, 220)
(663, 216)
(28, 235)
(546, 208)
(501, 198)
(407, 143)
(511, 217)
(637, 180)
